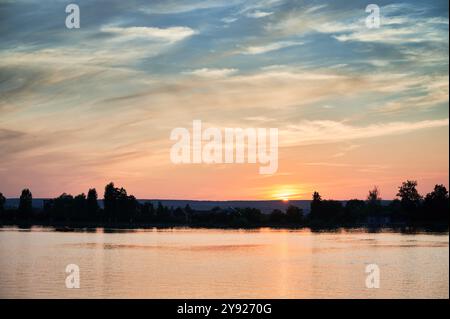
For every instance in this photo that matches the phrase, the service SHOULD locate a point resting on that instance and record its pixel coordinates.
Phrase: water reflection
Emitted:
(199, 263)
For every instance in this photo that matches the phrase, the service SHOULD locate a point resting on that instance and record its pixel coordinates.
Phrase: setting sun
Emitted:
(286, 193)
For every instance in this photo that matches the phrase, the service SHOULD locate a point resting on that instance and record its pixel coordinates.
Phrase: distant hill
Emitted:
(266, 206)
(14, 203)
(199, 205)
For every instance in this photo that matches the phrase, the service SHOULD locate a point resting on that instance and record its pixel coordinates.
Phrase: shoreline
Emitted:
(77, 226)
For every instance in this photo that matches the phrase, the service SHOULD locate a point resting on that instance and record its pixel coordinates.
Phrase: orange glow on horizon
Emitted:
(286, 193)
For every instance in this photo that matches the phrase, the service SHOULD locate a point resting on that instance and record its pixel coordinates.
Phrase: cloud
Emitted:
(411, 34)
(296, 89)
(177, 7)
(345, 150)
(19, 144)
(400, 24)
(229, 19)
(102, 48)
(320, 131)
(435, 91)
(212, 73)
(258, 14)
(256, 5)
(297, 22)
(252, 50)
(172, 34)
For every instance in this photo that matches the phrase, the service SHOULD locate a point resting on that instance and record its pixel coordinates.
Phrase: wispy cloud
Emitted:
(400, 24)
(261, 49)
(212, 73)
(258, 14)
(172, 34)
(435, 92)
(229, 19)
(178, 7)
(344, 150)
(318, 132)
(257, 5)
(422, 31)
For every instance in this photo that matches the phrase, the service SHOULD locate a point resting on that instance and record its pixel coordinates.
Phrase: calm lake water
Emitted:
(201, 263)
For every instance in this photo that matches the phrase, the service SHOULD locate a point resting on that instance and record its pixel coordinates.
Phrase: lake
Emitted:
(217, 263)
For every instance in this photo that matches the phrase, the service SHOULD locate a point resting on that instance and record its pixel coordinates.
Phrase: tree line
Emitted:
(122, 209)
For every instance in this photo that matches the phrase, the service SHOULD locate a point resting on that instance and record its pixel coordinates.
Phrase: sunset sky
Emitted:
(355, 107)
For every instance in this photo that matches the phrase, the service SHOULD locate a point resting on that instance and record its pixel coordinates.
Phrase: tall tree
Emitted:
(374, 201)
(317, 197)
(436, 204)
(63, 209)
(2, 203)
(315, 206)
(110, 199)
(355, 210)
(408, 192)
(118, 205)
(80, 208)
(410, 198)
(294, 215)
(374, 195)
(25, 204)
(92, 204)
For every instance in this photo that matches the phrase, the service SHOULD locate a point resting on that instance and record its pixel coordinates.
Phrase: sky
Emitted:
(355, 106)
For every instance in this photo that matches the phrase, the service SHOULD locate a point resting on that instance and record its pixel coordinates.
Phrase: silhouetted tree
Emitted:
(63, 208)
(410, 198)
(92, 204)
(317, 197)
(188, 209)
(331, 211)
(25, 204)
(374, 202)
(394, 209)
(79, 211)
(239, 218)
(2, 203)
(294, 215)
(148, 212)
(162, 213)
(179, 215)
(408, 192)
(325, 211)
(252, 215)
(121, 212)
(119, 206)
(355, 211)
(436, 204)
(277, 217)
(131, 208)
(374, 196)
(315, 205)
(110, 201)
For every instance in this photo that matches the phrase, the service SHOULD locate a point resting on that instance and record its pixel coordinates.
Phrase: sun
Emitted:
(285, 193)
(284, 197)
